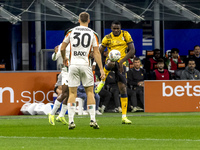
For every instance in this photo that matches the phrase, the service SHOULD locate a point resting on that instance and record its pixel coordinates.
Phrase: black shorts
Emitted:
(55, 89)
(120, 77)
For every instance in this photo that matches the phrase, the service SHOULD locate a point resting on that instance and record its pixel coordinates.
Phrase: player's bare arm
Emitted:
(56, 49)
(97, 57)
(55, 52)
(101, 49)
(94, 65)
(63, 51)
(128, 55)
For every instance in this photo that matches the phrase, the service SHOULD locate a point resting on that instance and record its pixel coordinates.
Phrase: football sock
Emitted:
(55, 107)
(124, 103)
(71, 111)
(107, 71)
(91, 110)
(63, 110)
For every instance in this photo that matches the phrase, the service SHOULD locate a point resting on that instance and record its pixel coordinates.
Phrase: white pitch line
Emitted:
(85, 138)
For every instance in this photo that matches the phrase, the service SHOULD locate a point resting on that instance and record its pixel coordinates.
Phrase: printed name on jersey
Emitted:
(83, 29)
(79, 53)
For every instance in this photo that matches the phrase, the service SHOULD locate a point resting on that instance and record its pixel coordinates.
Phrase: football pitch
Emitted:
(149, 131)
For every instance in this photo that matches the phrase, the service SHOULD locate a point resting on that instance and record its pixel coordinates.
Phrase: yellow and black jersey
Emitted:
(119, 43)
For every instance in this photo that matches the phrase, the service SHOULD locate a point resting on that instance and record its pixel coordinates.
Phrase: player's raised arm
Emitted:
(130, 53)
(63, 50)
(54, 55)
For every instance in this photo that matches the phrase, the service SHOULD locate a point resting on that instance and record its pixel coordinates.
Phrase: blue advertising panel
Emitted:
(54, 38)
(183, 39)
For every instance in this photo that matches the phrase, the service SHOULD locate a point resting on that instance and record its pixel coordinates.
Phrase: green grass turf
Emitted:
(149, 131)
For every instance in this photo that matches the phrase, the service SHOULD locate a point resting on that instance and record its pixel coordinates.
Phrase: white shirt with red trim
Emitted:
(82, 40)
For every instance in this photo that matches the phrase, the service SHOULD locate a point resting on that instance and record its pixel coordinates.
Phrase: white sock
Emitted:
(55, 107)
(123, 116)
(91, 110)
(63, 110)
(103, 82)
(71, 111)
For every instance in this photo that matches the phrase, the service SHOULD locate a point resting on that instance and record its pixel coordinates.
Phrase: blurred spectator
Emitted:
(180, 68)
(173, 61)
(105, 97)
(196, 57)
(154, 59)
(104, 94)
(129, 62)
(82, 94)
(135, 82)
(160, 73)
(151, 63)
(190, 73)
(112, 86)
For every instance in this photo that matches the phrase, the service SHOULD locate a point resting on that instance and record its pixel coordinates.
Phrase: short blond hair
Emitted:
(84, 17)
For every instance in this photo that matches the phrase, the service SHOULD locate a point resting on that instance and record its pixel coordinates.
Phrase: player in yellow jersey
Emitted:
(119, 40)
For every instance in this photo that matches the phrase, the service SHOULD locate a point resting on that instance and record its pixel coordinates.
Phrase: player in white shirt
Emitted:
(82, 39)
(58, 85)
(65, 90)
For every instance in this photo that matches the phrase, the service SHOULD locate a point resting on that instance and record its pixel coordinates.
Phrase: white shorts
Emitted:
(65, 77)
(79, 74)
